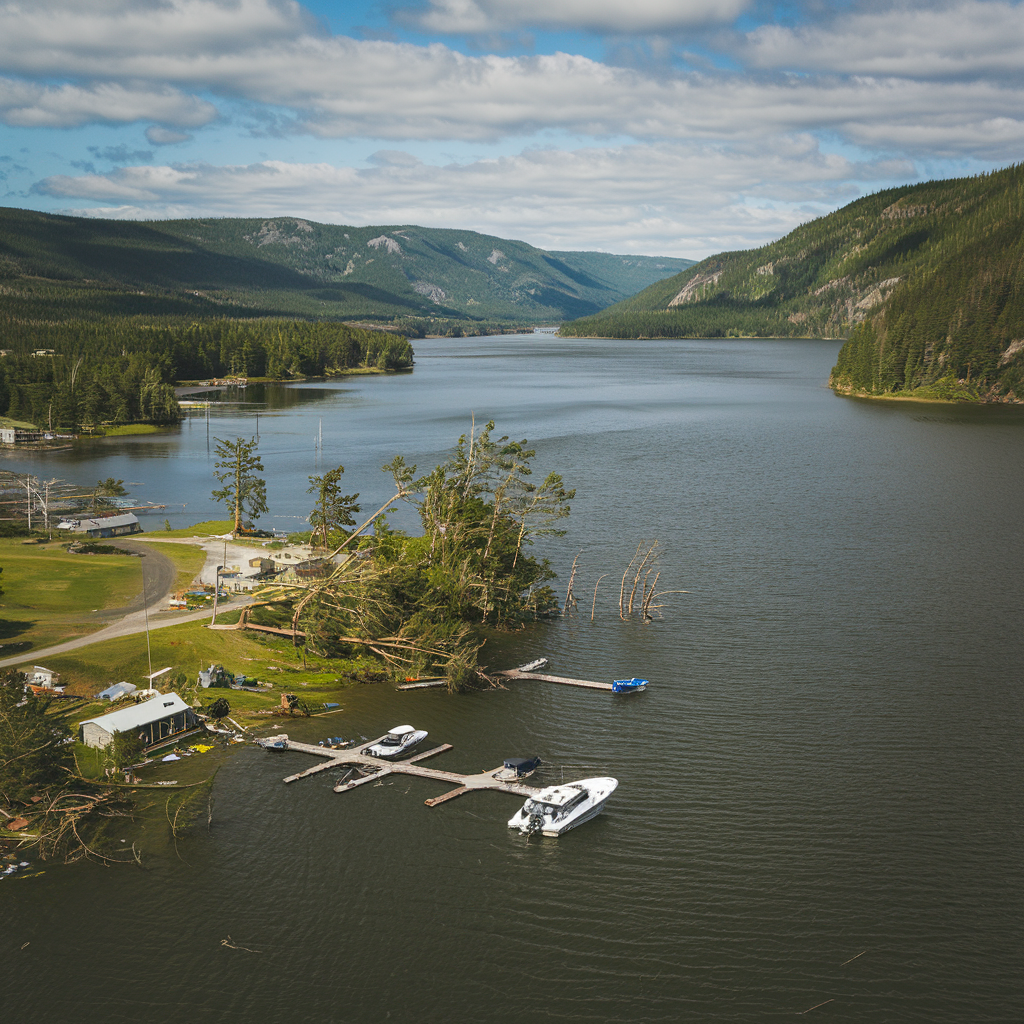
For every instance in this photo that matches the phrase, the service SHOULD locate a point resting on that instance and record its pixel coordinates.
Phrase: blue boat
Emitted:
(629, 685)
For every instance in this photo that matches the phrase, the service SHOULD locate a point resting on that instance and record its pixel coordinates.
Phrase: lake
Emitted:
(819, 800)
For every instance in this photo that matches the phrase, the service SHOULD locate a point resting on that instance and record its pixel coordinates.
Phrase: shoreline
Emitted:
(897, 397)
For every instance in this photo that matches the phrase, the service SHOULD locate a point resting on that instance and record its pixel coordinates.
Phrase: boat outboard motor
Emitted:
(534, 824)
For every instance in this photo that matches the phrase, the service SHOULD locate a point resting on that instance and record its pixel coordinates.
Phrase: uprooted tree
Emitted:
(60, 814)
(419, 602)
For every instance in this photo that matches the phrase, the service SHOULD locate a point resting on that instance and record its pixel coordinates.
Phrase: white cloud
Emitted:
(27, 105)
(159, 136)
(627, 17)
(664, 199)
(969, 38)
(262, 52)
(74, 37)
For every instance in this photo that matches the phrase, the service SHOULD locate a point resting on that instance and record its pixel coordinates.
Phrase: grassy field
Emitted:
(128, 429)
(6, 421)
(49, 594)
(191, 646)
(188, 558)
(210, 528)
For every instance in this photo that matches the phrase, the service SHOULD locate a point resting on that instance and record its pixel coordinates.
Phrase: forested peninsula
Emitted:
(925, 281)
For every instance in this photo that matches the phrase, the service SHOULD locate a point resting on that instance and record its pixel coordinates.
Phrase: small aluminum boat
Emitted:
(557, 809)
(633, 685)
(399, 741)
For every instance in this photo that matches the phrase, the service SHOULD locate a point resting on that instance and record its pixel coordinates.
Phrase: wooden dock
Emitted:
(372, 769)
(587, 684)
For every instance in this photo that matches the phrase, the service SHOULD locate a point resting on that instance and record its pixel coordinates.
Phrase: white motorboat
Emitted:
(557, 809)
(398, 741)
(532, 666)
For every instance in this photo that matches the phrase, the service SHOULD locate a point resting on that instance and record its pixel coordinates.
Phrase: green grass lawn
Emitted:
(191, 646)
(6, 421)
(128, 429)
(188, 558)
(49, 594)
(210, 528)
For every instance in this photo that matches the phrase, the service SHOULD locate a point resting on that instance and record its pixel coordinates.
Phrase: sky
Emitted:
(658, 127)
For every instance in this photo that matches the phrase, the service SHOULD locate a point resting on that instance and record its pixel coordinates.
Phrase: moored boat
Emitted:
(398, 741)
(633, 685)
(532, 666)
(517, 768)
(557, 809)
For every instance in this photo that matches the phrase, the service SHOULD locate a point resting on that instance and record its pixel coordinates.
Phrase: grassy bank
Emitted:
(129, 429)
(210, 528)
(191, 646)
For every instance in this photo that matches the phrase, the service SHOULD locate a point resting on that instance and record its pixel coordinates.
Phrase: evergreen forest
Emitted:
(925, 282)
(77, 373)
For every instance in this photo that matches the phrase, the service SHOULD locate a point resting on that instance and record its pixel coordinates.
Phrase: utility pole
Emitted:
(216, 592)
(145, 605)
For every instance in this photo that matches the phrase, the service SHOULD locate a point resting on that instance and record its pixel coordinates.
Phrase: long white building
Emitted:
(158, 719)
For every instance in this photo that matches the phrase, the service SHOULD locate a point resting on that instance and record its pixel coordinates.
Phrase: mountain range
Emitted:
(76, 267)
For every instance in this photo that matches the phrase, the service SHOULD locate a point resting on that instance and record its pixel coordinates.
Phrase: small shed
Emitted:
(39, 676)
(160, 718)
(116, 691)
(109, 526)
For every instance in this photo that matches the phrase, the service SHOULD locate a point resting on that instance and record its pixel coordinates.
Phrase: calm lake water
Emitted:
(827, 763)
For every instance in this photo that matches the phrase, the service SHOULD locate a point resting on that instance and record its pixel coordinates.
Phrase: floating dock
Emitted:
(372, 769)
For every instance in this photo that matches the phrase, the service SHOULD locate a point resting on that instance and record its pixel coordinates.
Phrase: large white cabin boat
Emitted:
(557, 809)
(398, 741)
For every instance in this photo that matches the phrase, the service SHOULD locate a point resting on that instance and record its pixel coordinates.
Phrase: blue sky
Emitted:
(671, 127)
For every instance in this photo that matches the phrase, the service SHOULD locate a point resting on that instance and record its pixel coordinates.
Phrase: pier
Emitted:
(373, 768)
(586, 684)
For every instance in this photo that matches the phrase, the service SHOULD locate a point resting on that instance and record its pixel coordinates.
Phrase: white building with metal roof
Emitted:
(103, 526)
(155, 720)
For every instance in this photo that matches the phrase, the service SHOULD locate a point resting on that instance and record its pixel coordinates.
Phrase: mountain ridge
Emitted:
(288, 266)
(925, 282)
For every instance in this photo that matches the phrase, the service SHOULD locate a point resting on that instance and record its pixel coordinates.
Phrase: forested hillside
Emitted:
(925, 281)
(74, 267)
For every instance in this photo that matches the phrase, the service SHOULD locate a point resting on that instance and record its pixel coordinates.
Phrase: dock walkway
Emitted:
(375, 768)
(587, 684)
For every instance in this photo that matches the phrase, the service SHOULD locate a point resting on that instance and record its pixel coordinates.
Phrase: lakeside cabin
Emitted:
(103, 526)
(157, 720)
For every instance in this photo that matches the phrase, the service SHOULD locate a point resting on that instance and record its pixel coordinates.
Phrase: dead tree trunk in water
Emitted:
(570, 597)
(594, 604)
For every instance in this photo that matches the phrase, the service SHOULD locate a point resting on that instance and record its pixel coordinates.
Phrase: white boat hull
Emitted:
(554, 823)
(392, 752)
